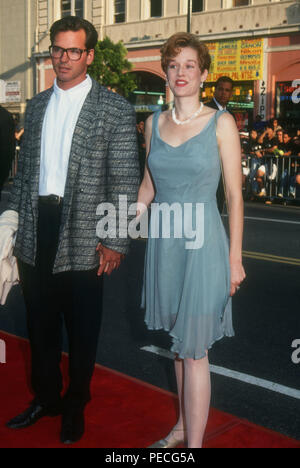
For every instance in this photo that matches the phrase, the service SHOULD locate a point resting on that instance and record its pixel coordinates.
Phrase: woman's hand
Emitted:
(237, 276)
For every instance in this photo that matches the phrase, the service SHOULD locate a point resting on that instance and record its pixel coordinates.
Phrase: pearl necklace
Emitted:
(184, 122)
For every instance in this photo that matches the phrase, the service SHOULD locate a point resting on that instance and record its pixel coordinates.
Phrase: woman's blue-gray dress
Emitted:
(186, 287)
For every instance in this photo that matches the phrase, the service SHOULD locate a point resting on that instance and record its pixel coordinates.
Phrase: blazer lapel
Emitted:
(88, 114)
(36, 135)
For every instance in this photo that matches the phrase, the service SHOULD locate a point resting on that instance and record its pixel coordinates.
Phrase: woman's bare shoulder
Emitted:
(209, 110)
(148, 124)
(226, 119)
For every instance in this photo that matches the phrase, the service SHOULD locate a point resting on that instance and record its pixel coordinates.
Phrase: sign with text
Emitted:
(241, 60)
(13, 91)
(10, 91)
(2, 91)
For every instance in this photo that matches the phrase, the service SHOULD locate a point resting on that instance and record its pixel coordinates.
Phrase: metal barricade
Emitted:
(285, 185)
(281, 179)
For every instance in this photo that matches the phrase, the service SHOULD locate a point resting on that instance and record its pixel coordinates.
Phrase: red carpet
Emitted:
(124, 412)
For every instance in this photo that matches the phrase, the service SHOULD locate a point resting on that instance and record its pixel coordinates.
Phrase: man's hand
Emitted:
(109, 259)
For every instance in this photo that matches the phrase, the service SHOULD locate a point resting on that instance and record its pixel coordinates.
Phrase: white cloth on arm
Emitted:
(9, 275)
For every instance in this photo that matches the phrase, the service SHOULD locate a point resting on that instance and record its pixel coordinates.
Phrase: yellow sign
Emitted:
(241, 60)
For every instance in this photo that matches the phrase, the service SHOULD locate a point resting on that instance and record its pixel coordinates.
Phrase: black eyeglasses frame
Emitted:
(67, 52)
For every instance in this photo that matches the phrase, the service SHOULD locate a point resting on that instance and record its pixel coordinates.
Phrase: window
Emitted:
(120, 11)
(236, 3)
(72, 7)
(197, 6)
(156, 9)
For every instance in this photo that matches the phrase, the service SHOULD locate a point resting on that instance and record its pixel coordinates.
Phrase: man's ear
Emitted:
(90, 56)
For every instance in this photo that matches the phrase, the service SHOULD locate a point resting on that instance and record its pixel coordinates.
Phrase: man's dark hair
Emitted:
(225, 79)
(74, 23)
(270, 125)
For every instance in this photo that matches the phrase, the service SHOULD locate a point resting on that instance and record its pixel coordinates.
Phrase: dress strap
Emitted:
(156, 116)
(219, 113)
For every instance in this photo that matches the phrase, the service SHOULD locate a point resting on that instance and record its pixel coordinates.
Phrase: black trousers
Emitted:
(76, 298)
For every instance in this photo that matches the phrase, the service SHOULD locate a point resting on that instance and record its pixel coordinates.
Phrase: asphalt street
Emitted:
(253, 375)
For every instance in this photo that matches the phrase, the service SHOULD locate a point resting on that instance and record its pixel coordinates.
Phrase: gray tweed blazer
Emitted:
(103, 164)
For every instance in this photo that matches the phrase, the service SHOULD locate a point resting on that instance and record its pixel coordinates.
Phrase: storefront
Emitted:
(284, 79)
(150, 95)
(242, 61)
(287, 105)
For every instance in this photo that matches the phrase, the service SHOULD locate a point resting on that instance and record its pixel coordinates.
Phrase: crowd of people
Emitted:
(271, 157)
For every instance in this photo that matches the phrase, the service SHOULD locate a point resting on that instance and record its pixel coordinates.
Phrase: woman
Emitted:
(187, 287)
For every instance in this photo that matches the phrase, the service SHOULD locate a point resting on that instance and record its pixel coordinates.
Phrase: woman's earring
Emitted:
(202, 84)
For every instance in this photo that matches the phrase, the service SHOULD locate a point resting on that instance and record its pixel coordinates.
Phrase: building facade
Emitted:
(256, 42)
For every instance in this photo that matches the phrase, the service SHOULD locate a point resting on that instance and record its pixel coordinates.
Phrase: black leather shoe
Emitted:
(33, 414)
(72, 428)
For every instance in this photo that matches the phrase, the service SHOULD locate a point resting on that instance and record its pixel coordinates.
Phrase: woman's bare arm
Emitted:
(230, 150)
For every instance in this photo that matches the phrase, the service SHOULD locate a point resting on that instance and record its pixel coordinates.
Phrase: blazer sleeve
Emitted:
(123, 175)
(24, 155)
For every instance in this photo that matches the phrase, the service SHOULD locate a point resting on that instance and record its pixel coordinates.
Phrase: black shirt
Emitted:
(269, 143)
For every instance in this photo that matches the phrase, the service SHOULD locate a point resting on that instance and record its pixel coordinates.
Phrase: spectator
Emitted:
(286, 145)
(297, 144)
(279, 136)
(254, 149)
(296, 193)
(276, 125)
(269, 143)
(6, 144)
(296, 141)
(223, 93)
(268, 139)
(286, 169)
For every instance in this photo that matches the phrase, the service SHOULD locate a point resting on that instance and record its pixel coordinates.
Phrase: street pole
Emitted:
(189, 16)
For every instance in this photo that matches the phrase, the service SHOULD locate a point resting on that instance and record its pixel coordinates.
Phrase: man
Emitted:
(268, 139)
(254, 149)
(268, 169)
(223, 93)
(7, 144)
(286, 149)
(222, 96)
(79, 150)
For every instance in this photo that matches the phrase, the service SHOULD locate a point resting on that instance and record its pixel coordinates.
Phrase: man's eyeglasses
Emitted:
(73, 53)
